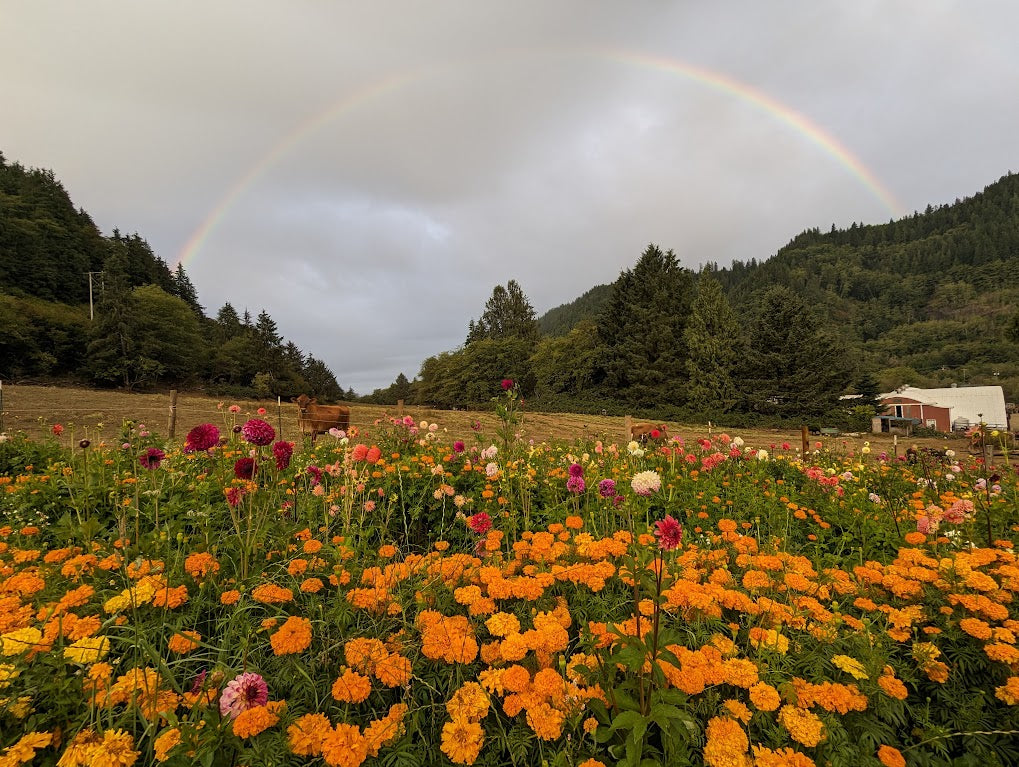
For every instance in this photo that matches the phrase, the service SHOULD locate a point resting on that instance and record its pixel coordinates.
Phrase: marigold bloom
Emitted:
(803, 726)
(1008, 692)
(253, 721)
(891, 685)
(114, 749)
(305, 735)
(462, 741)
(351, 687)
(271, 594)
(727, 744)
(201, 564)
(851, 666)
(890, 757)
(165, 743)
(344, 746)
(765, 697)
(546, 721)
(469, 702)
(293, 637)
(393, 670)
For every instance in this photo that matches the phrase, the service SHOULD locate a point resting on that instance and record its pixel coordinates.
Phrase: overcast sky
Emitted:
(368, 172)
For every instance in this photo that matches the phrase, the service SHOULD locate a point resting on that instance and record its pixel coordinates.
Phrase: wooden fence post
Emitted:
(627, 429)
(279, 415)
(1, 407)
(399, 408)
(173, 413)
(804, 440)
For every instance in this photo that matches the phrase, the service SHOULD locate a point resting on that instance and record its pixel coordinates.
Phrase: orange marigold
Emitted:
(1008, 692)
(546, 721)
(344, 746)
(393, 671)
(230, 597)
(305, 735)
(200, 564)
(293, 637)
(462, 741)
(351, 687)
(890, 757)
(727, 744)
(764, 697)
(270, 594)
(253, 721)
(183, 642)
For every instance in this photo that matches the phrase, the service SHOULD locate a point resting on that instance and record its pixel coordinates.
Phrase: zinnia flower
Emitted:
(244, 691)
(258, 432)
(244, 468)
(151, 458)
(480, 523)
(203, 437)
(283, 451)
(669, 532)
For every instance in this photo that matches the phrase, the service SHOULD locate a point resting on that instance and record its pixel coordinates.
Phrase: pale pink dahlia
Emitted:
(244, 691)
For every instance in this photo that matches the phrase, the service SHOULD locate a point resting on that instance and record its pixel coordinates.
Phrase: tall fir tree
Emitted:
(794, 367)
(185, 290)
(714, 344)
(508, 314)
(641, 329)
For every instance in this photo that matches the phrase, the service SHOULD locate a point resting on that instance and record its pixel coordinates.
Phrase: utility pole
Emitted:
(91, 310)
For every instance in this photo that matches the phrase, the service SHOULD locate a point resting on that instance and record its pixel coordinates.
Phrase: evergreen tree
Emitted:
(794, 367)
(714, 345)
(1012, 332)
(641, 329)
(508, 314)
(184, 289)
(228, 323)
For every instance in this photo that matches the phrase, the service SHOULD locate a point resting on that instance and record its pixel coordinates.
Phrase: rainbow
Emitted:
(722, 83)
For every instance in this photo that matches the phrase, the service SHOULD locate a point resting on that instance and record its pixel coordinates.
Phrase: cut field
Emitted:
(100, 414)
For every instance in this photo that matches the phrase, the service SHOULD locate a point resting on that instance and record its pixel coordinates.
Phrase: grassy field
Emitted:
(100, 413)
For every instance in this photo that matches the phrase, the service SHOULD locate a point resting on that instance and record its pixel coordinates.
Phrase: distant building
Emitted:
(955, 408)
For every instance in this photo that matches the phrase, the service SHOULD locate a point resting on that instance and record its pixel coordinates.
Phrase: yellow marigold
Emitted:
(18, 641)
(546, 721)
(462, 741)
(344, 746)
(165, 743)
(23, 750)
(1008, 692)
(803, 726)
(293, 637)
(1005, 653)
(184, 642)
(738, 710)
(230, 597)
(305, 735)
(469, 702)
(727, 744)
(769, 639)
(351, 687)
(851, 666)
(490, 679)
(312, 585)
(253, 721)
(114, 749)
(764, 697)
(88, 650)
(890, 757)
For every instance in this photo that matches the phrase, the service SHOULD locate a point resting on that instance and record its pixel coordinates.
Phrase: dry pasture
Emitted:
(99, 414)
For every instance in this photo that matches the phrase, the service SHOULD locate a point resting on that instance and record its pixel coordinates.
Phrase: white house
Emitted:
(965, 405)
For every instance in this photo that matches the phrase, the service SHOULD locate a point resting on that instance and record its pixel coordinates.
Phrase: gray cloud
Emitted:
(374, 169)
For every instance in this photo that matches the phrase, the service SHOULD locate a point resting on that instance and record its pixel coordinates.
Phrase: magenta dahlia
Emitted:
(283, 451)
(244, 468)
(258, 432)
(203, 437)
(151, 458)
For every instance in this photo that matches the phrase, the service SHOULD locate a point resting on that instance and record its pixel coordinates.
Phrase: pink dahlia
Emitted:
(576, 484)
(244, 691)
(669, 533)
(607, 488)
(576, 470)
(151, 458)
(203, 437)
(283, 451)
(258, 432)
(507, 384)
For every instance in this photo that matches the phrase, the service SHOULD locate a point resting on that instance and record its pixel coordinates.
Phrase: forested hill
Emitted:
(925, 299)
(144, 326)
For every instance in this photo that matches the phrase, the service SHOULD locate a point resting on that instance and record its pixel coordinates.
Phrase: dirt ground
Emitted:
(100, 414)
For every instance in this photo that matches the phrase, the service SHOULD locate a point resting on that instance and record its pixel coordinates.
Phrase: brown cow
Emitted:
(643, 432)
(319, 419)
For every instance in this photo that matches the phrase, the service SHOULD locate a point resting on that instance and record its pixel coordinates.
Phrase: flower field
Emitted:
(399, 595)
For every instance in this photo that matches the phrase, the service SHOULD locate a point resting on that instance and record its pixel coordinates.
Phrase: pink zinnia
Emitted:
(669, 533)
(480, 523)
(203, 437)
(283, 451)
(151, 458)
(258, 432)
(244, 691)
(58, 429)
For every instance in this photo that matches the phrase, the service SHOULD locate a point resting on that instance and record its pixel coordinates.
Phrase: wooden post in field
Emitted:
(173, 413)
(1, 407)
(399, 408)
(279, 415)
(895, 445)
(709, 429)
(804, 439)
(628, 429)
(988, 452)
